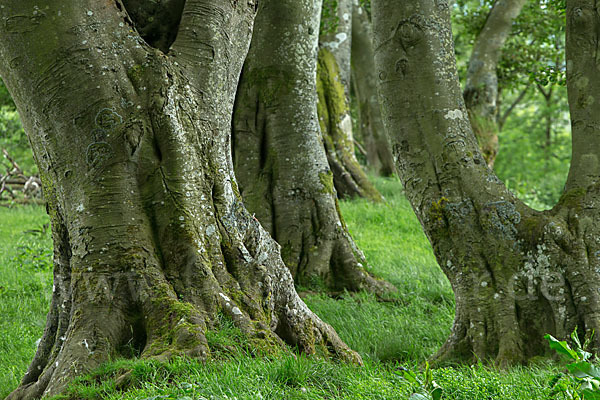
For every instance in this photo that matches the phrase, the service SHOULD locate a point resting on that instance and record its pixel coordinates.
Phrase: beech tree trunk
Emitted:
(152, 241)
(481, 90)
(364, 82)
(349, 178)
(279, 159)
(339, 41)
(333, 86)
(517, 273)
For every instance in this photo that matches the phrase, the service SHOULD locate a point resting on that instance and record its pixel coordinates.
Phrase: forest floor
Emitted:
(391, 336)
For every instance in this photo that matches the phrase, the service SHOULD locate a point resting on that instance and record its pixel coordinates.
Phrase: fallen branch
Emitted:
(16, 181)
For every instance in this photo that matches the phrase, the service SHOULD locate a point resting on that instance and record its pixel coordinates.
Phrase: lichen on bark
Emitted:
(284, 175)
(517, 273)
(152, 242)
(334, 118)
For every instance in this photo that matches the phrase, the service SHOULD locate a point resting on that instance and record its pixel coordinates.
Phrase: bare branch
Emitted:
(510, 109)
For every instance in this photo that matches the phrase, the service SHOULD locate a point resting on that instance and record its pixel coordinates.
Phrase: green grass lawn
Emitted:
(392, 335)
(25, 289)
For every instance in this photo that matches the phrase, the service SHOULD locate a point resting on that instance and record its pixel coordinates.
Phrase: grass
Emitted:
(397, 250)
(390, 336)
(25, 289)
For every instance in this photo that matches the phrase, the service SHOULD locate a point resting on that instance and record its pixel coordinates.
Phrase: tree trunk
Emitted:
(279, 159)
(364, 81)
(517, 274)
(333, 85)
(339, 40)
(152, 242)
(349, 178)
(481, 90)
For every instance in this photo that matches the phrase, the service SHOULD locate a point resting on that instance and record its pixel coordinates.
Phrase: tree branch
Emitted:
(510, 109)
(199, 43)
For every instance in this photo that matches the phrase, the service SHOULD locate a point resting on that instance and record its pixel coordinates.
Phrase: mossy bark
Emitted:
(517, 273)
(151, 239)
(335, 122)
(279, 159)
(339, 39)
(333, 85)
(364, 82)
(481, 89)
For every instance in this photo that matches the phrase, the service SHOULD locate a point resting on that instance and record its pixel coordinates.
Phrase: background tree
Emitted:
(333, 87)
(531, 61)
(336, 36)
(533, 109)
(364, 83)
(279, 158)
(517, 273)
(151, 240)
(481, 89)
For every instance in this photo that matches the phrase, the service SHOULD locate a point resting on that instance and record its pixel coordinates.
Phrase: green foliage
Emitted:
(530, 166)
(5, 98)
(366, 5)
(14, 140)
(583, 378)
(535, 143)
(329, 17)
(559, 5)
(423, 388)
(534, 51)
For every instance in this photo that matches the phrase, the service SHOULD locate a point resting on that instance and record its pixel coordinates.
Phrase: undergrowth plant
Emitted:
(405, 329)
(582, 382)
(424, 388)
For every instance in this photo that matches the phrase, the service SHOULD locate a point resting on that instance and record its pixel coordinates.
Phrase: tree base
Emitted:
(538, 277)
(155, 321)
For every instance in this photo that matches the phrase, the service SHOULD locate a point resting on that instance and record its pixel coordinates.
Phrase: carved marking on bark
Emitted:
(97, 153)
(107, 118)
(24, 23)
(16, 62)
(409, 32)
(100, 151)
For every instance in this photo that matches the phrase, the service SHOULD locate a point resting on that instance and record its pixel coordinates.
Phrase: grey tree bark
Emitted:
(333, 85)
(339, 41)
(349, 178)
(152, 241)
(364, 82)
(516, 273)
(279, 158)
(481, 89)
